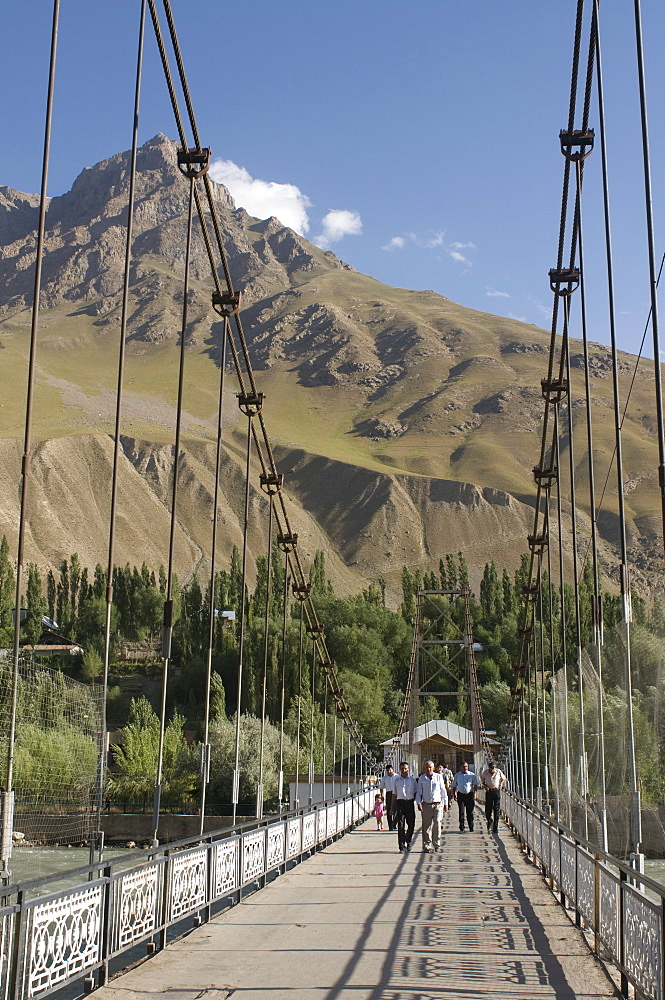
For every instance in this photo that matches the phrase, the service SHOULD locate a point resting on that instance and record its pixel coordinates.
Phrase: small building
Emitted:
(51, 642)
(439, 740)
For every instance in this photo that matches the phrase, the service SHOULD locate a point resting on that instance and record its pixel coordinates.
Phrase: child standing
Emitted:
(379, 810)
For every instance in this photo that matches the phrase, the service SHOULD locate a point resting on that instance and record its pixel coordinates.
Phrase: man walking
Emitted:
(430, 793)
(493, 781)
(387, 784)
(447, 776)
(465, 783)
(404, 793)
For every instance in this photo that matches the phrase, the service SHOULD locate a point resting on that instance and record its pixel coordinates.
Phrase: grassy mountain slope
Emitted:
(406, 424)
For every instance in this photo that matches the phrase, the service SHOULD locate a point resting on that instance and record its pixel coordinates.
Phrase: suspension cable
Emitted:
(263, 447)
(205, 750)
(118, 422)
(189, 171)
(636, 824)
(27, 440)
(646, 162)
(248, 405)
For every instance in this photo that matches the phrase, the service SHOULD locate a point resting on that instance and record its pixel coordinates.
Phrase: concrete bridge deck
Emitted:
(359, 921)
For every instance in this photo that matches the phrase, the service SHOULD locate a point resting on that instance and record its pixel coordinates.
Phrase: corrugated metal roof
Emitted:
(450, 731)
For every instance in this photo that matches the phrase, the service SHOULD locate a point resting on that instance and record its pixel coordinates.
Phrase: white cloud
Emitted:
(263, 198)
(338, 223)
(431, 241)
(520, 319)
(396, 243)
(544, 310)
(492, 293)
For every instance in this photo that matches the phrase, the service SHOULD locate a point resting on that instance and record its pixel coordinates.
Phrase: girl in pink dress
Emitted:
(379, 810)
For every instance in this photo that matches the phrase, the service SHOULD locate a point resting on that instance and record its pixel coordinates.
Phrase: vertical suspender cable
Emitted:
(597, 606)
(118, 421)
(538, 772)
(554, 756)
(576, 586)
(266, 640)
(653, 285)
(285, 599)
(562, 618)
(241, 642)
(205, 749)
(168, 604)
(334, 747)
(541, 630)
(300, 657)
(310, 774)
(325, 731)
(636, 815)
(529, 688)
(7, 793)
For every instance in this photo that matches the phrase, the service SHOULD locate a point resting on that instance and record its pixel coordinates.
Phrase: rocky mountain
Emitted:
(406, 424)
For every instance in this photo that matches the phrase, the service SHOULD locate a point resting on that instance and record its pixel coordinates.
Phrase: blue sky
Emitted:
(421, 144)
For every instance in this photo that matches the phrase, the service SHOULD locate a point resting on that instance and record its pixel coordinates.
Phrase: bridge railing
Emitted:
(621, 908)
(51, 939)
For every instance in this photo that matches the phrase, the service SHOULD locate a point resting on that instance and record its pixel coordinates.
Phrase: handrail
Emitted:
(121, 907)
(606, 895)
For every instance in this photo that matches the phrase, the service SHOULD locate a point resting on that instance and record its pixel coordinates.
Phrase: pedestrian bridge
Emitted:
(356, 919)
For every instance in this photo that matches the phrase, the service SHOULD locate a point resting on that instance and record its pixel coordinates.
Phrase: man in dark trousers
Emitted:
(493, 781)
(387, 784)
(465, 783)
(404, 794)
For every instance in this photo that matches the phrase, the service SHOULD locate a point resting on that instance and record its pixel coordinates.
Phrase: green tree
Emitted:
(136, 758)
(91, 664)
(36, 606)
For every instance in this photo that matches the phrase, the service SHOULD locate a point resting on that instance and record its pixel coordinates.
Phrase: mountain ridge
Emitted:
(375, 388)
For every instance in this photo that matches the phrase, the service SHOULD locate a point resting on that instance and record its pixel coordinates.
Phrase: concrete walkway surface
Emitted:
(360, 921)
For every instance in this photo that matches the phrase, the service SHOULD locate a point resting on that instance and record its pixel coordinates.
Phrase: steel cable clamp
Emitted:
(576, 145)
(193, 163)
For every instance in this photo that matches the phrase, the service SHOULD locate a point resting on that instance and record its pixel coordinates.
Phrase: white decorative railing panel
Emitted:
(555, 859)
(6, 945)
(608, 904)
(276, 845)
(293, 837)
(568, 869)
(308, 831)
(225, 867)
(331, 821)
(188, 875)
(321, 822)
(137, 900)
(586, 886)
(64, 938)
(253, 855)
(643, 942)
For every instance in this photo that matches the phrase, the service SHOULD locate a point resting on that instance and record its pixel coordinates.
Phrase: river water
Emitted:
(36, 862)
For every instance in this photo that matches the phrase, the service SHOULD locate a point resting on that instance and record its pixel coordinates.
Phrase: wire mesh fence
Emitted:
(58, 734)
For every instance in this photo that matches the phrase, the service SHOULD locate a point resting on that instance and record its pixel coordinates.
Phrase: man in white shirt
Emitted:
(404, 793)
(465, 783)
(430, 793)
(387, 783)
(493, 781)
(447, 776)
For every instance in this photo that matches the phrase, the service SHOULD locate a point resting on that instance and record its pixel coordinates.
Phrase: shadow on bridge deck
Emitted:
(359, 921)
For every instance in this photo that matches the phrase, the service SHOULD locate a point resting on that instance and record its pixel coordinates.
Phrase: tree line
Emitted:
(370, 643)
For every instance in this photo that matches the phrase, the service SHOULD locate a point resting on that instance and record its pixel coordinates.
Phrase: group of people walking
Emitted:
(433, 793)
